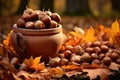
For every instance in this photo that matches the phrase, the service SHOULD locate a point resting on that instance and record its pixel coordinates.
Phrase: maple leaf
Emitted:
(34, 63)
(114, 31)
(115, 28)
(90, 35)
(74, 38)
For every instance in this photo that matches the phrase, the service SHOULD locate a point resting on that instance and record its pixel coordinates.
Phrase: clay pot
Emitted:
(39, 42)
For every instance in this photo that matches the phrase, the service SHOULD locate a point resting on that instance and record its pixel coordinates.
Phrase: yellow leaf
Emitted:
(90, 35)
(29, 61)
(37, 67)
(36, 60)
(114, 28)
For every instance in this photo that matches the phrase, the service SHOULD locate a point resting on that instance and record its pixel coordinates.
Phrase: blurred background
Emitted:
(74, 13)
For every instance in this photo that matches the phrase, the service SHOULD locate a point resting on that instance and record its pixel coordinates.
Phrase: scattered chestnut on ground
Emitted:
(107, 61)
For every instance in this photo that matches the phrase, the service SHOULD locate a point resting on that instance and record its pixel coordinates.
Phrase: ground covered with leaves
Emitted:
(91, 53)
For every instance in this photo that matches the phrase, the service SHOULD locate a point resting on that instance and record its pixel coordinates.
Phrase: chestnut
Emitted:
(54, 62)
(26, 17)
(104, 48)
(46, 19)
(101, 56)
(114, 56)
(56, 17)
(107, 61)
(69, 47)
(118, 61)
(67, 54)
(20, 23)
(89, 50)
(96, 61)
(94, 56)
(85, 58)
(64, 61)
(61, 55)
(75, 58)
(34, 15)
(49, 13)
(96, 43)
(28, 11)
(29, 25)
(97, 50)
(107, 54)
(53, 24)
(39, 25)
(77, 49)
(88, 44)
(41, 14)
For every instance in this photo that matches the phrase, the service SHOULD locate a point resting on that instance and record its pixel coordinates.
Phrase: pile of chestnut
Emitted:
(100, 53)
(36, 19)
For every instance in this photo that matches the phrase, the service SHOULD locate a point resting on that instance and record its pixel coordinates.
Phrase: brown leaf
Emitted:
(23, 74)
(15, 77)
(6, 65)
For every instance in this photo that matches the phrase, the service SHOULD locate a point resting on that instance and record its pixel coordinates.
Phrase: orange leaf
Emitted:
(114, 28)
(34, 63)
(56, 71)
(29, 61)
(71, 67)
(90, 35)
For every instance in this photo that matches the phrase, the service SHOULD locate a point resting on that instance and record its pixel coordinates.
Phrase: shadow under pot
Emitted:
(37, 42)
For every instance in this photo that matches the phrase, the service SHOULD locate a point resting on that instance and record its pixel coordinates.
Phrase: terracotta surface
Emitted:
(31, 42)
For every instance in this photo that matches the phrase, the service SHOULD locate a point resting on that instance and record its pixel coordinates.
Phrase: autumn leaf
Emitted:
(74, 38)
(71, 67)
(7, 43)
(90, 35)
(115, 28)
(34, 63)
(56, 71)
(114, 31)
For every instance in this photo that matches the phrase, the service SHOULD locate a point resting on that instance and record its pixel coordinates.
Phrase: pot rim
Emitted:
(37, 31)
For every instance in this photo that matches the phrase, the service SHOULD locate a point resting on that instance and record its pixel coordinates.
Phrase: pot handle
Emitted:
(21, 43)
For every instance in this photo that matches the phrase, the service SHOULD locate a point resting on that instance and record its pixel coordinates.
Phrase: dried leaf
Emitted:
(23, 74)
(34, 63)
(115, 28)
(56, 72)
(90, 35)
(29, 61)
(73, 38)
(117, 39)
(71, 67)
(7, 43)
(15, 77)
(6, 65)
